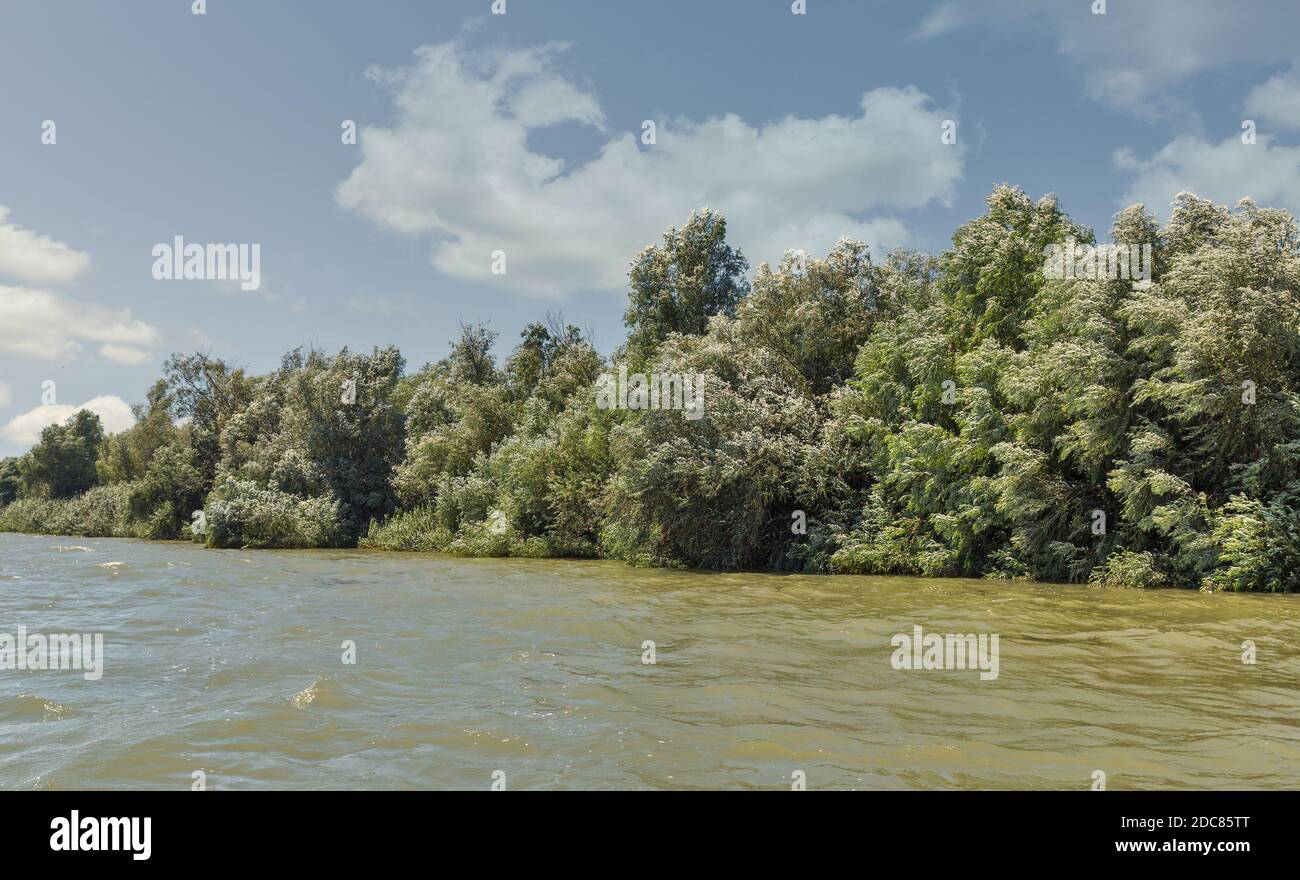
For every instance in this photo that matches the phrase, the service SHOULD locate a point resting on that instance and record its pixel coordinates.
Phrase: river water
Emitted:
(231, 663)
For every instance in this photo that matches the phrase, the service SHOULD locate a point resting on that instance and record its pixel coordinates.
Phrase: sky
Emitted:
(518, 142)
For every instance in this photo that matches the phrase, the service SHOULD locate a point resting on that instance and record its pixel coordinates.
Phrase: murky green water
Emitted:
(230, 662)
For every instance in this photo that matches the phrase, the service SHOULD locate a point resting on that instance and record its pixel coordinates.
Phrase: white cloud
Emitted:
(1277, 100)
(456, 166)
(36, 258)
(1223, 172)
(1132, 56)
(944, 18)
(39, 324)
(42, 325)
(25, 429)
(123, 354)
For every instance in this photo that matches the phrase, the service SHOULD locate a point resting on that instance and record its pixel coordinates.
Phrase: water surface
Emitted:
(229, 662)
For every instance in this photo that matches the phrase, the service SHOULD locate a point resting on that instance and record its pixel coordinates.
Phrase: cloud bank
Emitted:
(38, 324)
(1137, 52)
(457, 167)
(1224, 172)
(41, 325)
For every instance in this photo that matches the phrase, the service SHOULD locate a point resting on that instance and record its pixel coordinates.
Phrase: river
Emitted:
(232, 663)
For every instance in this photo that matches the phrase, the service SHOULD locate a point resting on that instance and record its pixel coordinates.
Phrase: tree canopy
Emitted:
(963, 414)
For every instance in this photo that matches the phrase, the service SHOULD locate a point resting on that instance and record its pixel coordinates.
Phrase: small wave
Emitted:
(307, 695)
(72, 548)
(324, 692)
(304, 697)
(31, 707)
(112, 566)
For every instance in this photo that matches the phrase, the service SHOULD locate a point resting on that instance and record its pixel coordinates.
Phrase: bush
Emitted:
(417, 529)
(242, 514)
(101, 512)
(29, 515)
(423, 529)
(1129, 570)
(1260, 546)
(481, 539)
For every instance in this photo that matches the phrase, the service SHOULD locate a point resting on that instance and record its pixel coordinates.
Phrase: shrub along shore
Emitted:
(966, 414)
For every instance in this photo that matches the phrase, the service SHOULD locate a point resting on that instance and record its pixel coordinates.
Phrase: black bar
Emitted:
(305, 829)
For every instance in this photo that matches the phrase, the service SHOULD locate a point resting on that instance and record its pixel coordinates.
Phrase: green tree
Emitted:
(813, 315)
(470, 359)
(678, 284)
(323, 427)
(62, 464)
(10, 480)
(165, 497)
(126, 456)
(209, 393)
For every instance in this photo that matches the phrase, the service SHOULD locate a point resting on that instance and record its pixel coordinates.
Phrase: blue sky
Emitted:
(522, 132)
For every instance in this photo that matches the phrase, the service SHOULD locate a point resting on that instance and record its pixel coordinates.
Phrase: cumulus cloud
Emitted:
(39, 324)
(457, 166)
(25, 429)
(1277, 100)
(1224, 172)
(1132, 56)
(36, 258)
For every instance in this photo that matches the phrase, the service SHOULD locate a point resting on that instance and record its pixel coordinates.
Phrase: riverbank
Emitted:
(494, 546)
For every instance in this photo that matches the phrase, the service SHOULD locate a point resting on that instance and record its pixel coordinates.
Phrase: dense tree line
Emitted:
(958, 415)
